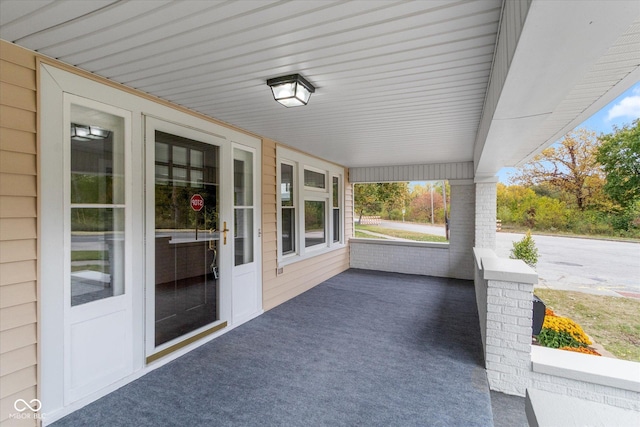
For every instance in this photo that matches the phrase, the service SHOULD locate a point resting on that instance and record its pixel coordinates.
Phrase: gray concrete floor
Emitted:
(508, 411)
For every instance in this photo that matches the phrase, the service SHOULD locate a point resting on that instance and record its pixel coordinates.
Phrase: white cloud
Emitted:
(627, 107)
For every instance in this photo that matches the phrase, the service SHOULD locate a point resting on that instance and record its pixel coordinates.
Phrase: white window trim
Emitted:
(316, 170)
(296, 211)
(340, 207)
(300, 162)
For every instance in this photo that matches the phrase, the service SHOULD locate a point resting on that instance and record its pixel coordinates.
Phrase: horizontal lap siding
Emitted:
(18, 228)
(300, 276)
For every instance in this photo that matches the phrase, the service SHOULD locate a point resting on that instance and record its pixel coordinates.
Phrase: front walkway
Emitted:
(363, 348)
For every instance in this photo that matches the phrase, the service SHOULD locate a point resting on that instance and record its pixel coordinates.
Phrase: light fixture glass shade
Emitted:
(291, 91)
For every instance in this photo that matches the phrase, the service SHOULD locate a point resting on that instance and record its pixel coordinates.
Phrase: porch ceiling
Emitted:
(397, 82)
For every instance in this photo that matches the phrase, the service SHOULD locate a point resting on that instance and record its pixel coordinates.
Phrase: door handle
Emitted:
(224, 232)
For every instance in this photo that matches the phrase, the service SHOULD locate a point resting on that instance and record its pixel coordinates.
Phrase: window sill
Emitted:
(310, 255)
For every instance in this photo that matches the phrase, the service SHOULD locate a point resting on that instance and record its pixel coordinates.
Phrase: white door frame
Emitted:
(54, 82)
(247, 298)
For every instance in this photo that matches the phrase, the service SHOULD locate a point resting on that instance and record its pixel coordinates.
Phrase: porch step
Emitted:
(545, 409)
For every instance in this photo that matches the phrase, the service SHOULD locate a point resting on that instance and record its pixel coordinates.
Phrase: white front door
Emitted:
(98, 341)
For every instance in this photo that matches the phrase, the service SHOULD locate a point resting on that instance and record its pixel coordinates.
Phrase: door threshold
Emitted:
(184, 343)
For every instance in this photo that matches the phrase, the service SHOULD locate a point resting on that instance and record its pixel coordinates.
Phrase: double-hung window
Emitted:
(310, 213)
(287, 209)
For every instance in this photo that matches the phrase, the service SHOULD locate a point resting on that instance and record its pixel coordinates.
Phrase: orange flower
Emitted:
(585, 350)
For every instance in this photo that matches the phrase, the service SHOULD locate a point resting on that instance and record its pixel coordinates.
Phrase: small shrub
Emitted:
(525, 250)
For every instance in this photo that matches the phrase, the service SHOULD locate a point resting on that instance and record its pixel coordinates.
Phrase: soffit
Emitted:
(397, 82)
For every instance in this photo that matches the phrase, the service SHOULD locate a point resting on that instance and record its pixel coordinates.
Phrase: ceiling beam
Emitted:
(559, 43)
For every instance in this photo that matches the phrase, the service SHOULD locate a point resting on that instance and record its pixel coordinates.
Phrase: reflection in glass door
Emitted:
(97, 205)
(187, 176)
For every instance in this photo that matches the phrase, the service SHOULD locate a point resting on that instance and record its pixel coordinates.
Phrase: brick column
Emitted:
(485, 231)
(461, 223)
(509, 321)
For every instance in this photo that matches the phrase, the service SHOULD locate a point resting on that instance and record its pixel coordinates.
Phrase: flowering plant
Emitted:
(564, 324)
(564, 333)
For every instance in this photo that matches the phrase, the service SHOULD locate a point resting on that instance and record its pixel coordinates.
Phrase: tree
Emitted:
(619, 155)
(569, 166)
(366, 199)
(371, 199)
(393, 194)
(523, 206)
(423, 200)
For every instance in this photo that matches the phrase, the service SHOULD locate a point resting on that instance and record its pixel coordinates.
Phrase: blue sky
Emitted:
(622, 110)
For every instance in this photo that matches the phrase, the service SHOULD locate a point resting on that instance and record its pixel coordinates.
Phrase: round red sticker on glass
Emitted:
(197, 202)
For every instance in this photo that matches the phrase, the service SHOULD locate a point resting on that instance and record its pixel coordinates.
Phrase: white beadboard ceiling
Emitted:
(398, 82)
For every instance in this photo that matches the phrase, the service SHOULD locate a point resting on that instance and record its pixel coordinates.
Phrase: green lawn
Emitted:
(88, 255)
(361, 235)
(612, 322)
(402, 234)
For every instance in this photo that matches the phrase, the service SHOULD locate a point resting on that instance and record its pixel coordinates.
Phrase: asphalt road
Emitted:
(587, 265)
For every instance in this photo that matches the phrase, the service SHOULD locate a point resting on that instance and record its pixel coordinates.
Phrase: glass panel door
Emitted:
(187, 177)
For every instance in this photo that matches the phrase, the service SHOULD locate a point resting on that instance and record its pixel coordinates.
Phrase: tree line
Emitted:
(584, 184)
(423, 202)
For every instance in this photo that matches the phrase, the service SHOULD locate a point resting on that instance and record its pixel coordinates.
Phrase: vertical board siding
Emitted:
(18, 229)
(428, 172)
(300, 276)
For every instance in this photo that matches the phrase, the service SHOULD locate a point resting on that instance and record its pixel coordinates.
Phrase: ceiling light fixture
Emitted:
(292, 90)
